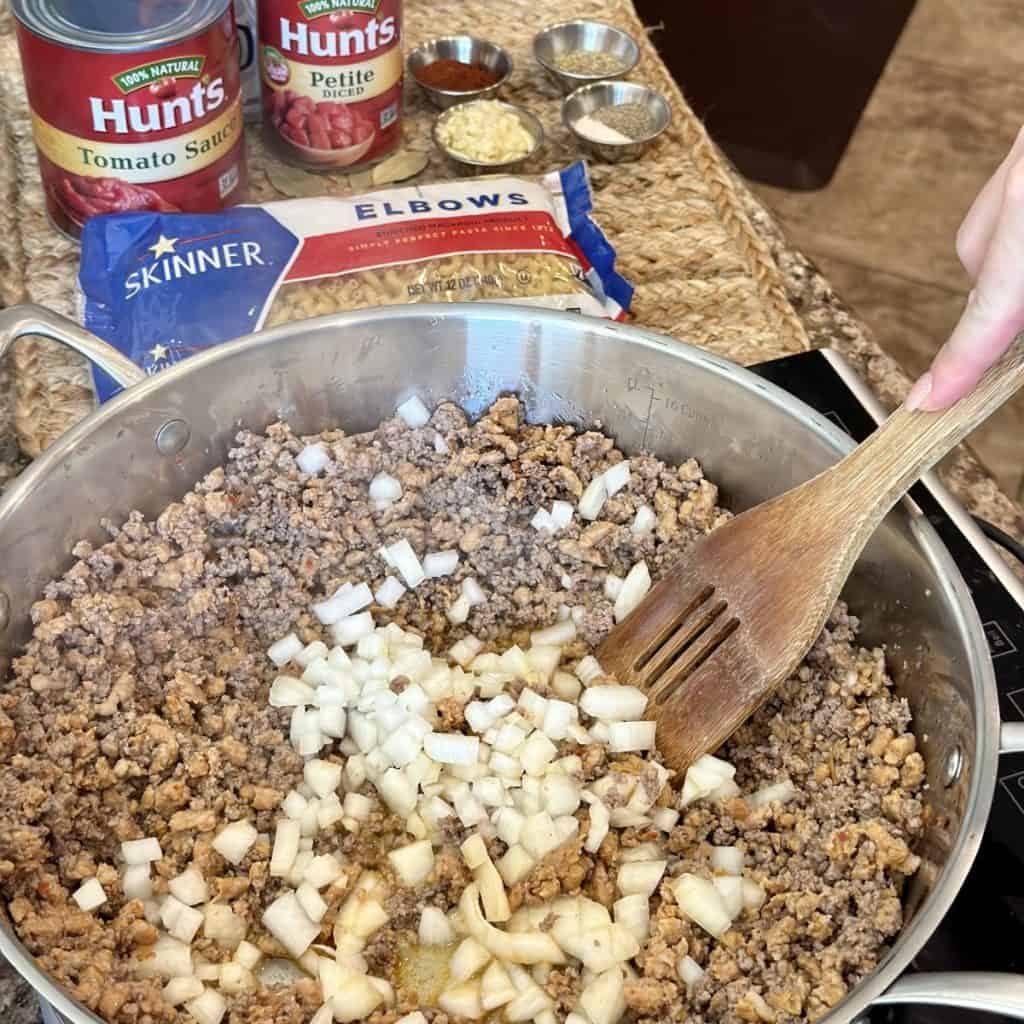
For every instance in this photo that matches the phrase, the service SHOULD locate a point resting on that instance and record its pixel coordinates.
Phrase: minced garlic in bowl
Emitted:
(488, 132)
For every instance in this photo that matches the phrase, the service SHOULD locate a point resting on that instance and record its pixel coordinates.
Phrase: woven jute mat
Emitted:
(702, 273)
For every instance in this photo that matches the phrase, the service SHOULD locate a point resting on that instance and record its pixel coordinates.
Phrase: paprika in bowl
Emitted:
(134, 106)
(332, 78)
(458, 68)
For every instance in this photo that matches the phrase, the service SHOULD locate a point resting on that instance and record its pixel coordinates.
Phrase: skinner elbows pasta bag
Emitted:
(161, 287)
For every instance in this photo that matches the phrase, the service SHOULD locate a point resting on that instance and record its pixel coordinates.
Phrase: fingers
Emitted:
(994, 314)
(975, 234)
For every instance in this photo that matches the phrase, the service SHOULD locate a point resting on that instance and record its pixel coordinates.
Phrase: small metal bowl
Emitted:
(592, 36)
(469, 167)
(468, 50)
(590, 98)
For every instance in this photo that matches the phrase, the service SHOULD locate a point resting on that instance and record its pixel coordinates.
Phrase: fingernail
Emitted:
(919, 392)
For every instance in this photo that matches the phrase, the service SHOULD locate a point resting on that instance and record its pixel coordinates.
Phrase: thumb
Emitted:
(994, 314)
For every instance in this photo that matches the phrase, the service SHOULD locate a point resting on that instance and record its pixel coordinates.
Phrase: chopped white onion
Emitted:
(561, 514)
(284, 650)
(287, 922)
(640, 877)
(588, 670)
(664, 818)
(730, 888)
(414, 412)
(170, 959)
(90, 895)
(190, 887)
(323, 871)
(633, 913)
(136, 883)
(289, 692)
(345, 601)
(778, 792)
(322, 777)
(753, 895)
(440, 445)
(413, 863)
(209, 1008)
(234, 841)
(644, 521)
(593, 498)
(223, 925)
(612, 586)
(634, 589)
(542, 523)
(701, 902)
(385, 488)
(286, 847)
(473, 592)
(704, 776)
(468, 958)
(616, 477)
(141, 851)
(727, 859)
(556, 635)
(691, 974)
(181, 921)
(613, 703)
(350, 631)
(311, 902)
(313, 459)
(407, 563)
(440, 563)
(181, 990)
(434, 928)
(452, 748)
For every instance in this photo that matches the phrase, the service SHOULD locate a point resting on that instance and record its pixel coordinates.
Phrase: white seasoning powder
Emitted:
(591, 128)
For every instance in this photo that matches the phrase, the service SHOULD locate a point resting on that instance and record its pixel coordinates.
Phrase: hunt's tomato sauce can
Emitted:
(135, 106)
(332, 80)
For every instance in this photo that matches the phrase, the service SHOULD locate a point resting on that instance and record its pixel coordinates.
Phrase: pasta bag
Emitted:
(160, 287)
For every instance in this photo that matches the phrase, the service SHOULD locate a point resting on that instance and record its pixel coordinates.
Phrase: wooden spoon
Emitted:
(735, 617)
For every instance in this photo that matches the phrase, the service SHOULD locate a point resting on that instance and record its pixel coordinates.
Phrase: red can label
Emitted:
(332, 79)
(158, 130)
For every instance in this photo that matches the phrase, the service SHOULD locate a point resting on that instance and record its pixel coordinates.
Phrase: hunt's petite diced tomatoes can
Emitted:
(332, 76)
(135, 106)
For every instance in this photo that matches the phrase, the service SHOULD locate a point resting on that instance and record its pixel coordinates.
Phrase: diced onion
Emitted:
(473, 592)
(248, 955)
(593, 498)
(704, 776)
(634, 589)
(556, 635)
(287, 922)
(599, 821)
(519, 948)
(614, 703)
(322, 777)
(779, 792)
(541, 521)
(312, 459)
(588, 670)
(181, 990)
(616, 478)
(90, 895)
(223, 925)
(169, 959)
(452, 748)
(136, 883)
(189, 887)
(141, 851)
(413, 863)
(690, 972)
(311, 902)
(350, 631)
(234, 841)
(730, 888)
(753, 895)
(385, 488)
(407, 563)
(612, 586)
(440, 563)
(561, 514)
(181, 921)
(289, 692)
(209, 1008)
(286, 847)
(346, 601)
(414, 412)
(462, 1001)
(640, 877)
(633, 913)
(727, 859)
(284, 650)
(627, 736)
(468, 958)
(701, 902)
(434, 928)
(644, 521)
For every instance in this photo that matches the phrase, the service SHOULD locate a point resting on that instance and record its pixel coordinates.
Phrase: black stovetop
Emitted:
(984, 929)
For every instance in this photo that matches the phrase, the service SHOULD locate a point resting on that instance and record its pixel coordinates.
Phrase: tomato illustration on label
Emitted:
(275, 66)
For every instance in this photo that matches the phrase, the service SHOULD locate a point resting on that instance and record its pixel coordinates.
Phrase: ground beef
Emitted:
(139, 708)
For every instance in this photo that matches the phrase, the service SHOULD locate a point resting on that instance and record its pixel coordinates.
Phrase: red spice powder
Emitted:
(456, 76)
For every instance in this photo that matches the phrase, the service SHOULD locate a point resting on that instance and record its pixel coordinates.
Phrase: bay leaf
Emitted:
(293, 182)
(360, 181)
(400, 166)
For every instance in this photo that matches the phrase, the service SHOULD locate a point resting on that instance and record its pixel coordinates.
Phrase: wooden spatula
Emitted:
(735, 617)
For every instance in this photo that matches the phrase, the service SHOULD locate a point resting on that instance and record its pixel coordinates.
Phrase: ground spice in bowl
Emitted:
(630, 119)
(456, 76)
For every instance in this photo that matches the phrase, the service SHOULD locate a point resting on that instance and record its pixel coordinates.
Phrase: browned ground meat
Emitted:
(140, 708)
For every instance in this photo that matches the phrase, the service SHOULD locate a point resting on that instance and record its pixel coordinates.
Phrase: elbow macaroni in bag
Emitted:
(161, 287)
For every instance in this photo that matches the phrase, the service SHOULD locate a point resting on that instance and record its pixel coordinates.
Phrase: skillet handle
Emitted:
(18, 321)
(969, 990)
(1011, 738)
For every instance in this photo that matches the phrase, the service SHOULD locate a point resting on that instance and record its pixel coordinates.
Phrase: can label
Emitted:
(332, 79)
(160, 130)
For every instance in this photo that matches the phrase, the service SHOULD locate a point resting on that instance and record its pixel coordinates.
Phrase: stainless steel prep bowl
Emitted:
(468, 50)
(592, 36)
(590, 98)
(151, 444)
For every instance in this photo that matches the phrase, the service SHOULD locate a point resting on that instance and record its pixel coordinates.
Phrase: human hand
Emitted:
(990, 244)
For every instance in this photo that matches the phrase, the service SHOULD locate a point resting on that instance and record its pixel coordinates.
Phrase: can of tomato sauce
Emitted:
(135, 106)
(332, 80)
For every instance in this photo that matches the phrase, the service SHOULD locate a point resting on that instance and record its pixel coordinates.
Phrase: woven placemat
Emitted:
(702, 273)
